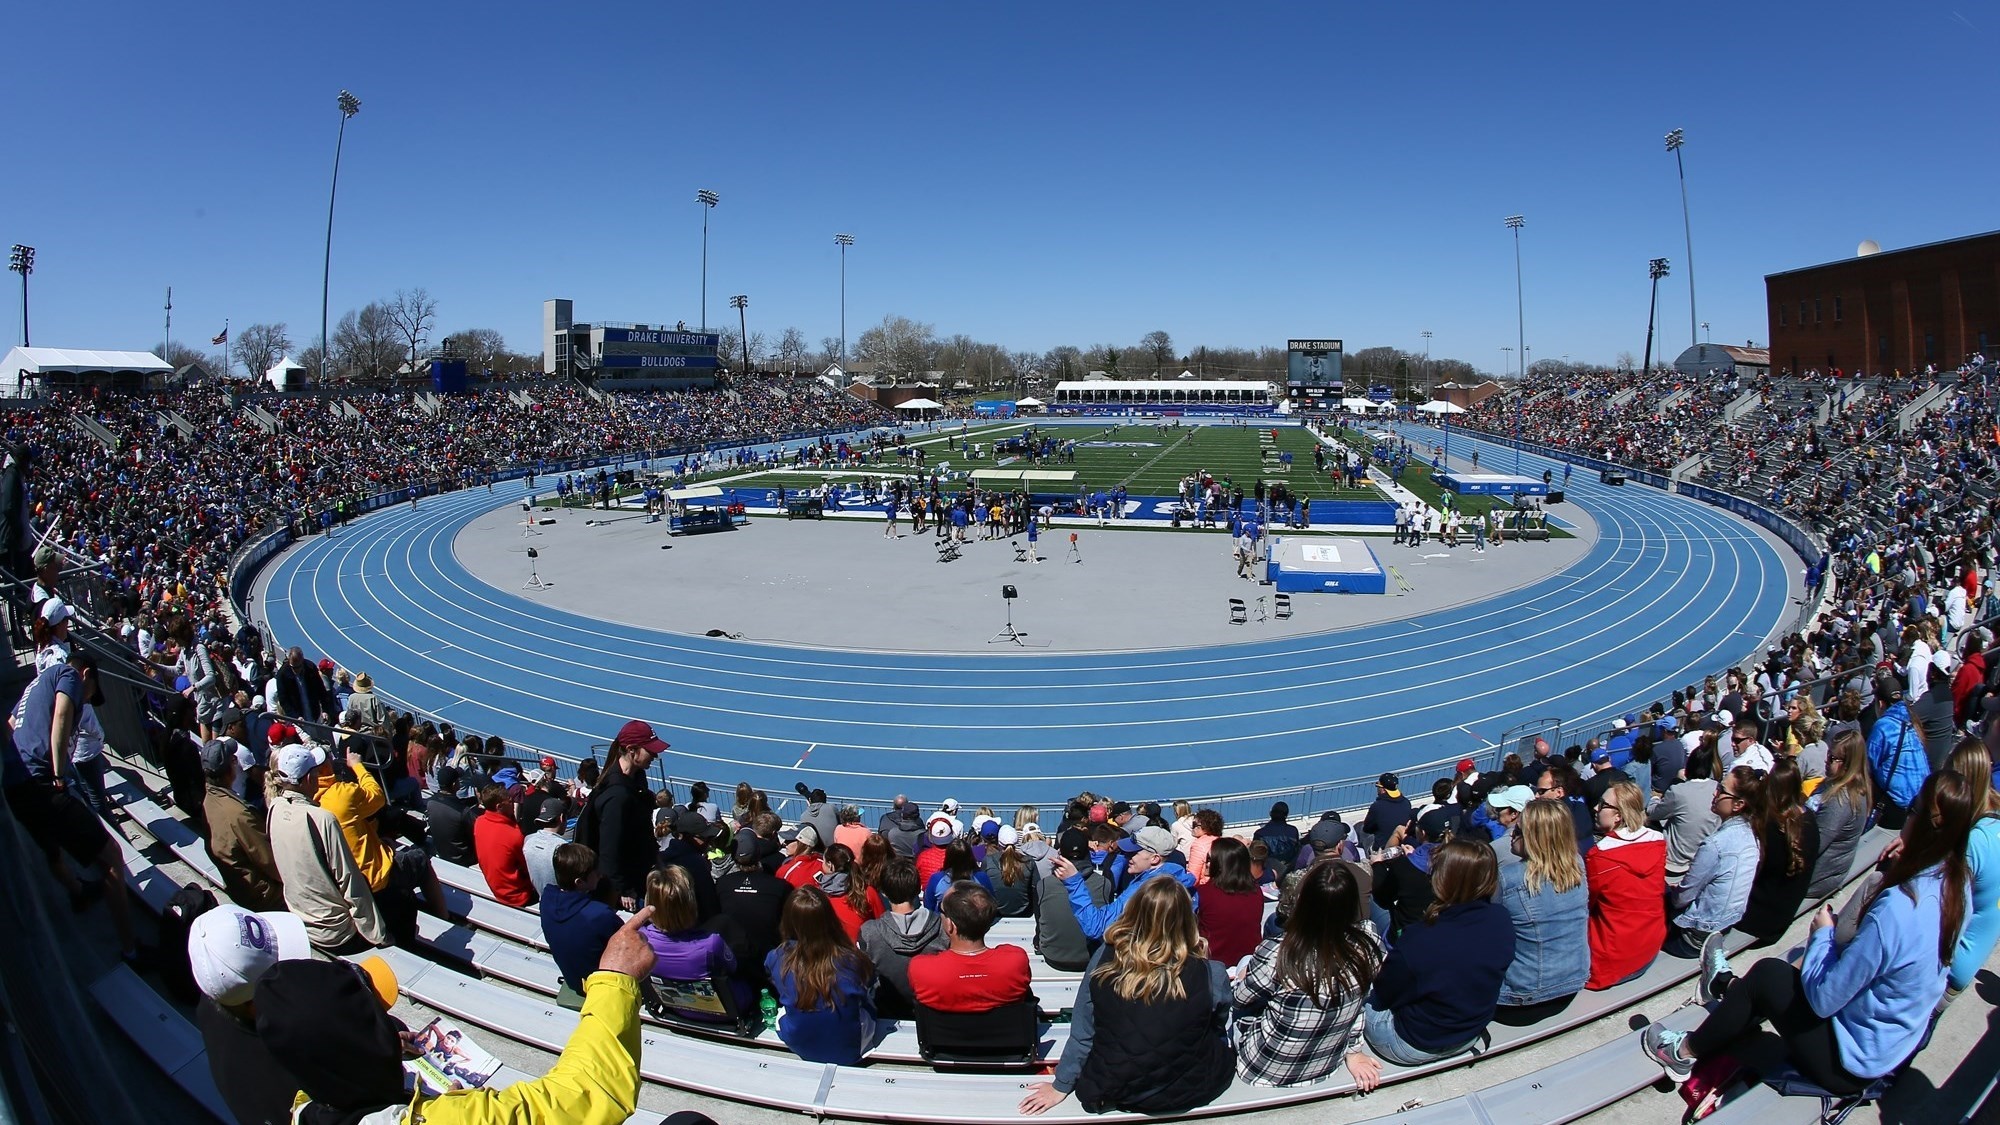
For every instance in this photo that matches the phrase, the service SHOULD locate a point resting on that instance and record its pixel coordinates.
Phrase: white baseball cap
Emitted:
(299, 759)
(231, 948)
(55, 611)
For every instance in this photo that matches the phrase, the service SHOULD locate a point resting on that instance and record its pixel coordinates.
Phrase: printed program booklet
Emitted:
(450, 1059)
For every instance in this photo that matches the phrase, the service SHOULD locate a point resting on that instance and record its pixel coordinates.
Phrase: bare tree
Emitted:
(258, 346)
(178, 356)
(412, 312)
(480, 348)
(898, 344)
(1160, 348)
(829, 352)
(794, 354)
(366, 344)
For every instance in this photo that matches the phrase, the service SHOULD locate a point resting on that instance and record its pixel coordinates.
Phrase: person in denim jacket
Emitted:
(1546, 897)
(1716, 890)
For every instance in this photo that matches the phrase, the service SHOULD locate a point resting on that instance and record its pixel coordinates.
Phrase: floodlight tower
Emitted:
(1656, 269)
(349, 106)
(843, 241)
(22, 261)
(1675, 140)
(739, 303)
(708, 200)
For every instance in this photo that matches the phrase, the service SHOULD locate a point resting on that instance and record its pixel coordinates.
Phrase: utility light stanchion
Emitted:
(843, 241)
(708, 200)
(739, 303)
(22, 261)
(349, 106)
(1656, 269)
(1675, 140)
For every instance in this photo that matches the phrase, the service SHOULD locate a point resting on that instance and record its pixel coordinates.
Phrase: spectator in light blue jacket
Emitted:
(1877, 988)
(1544, 894)
(1716, 889)
(1896, 759)
(1146, 858)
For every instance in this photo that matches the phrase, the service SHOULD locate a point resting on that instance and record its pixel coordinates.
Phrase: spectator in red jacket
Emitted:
(1231, 913)
(969, 975)
(1627, 876)
(498, 841)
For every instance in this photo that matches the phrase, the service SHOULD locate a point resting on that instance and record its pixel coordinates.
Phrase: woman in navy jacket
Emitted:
(1440, 984)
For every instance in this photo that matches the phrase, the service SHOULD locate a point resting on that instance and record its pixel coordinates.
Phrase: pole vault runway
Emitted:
(1672, 590)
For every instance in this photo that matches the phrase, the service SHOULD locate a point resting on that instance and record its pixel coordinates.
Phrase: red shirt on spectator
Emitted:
(497, 841)
(1232, 923)
(970, 982)
(800, 869)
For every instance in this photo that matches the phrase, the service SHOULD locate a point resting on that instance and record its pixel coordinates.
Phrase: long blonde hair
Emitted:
(1971, 759)
(1849, 783)
(1151, 942)
(1548, 836)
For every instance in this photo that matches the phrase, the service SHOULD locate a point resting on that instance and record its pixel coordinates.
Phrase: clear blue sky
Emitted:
(1035, 175)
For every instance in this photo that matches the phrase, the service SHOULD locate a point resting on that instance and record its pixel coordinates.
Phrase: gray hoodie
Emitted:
(890, 941)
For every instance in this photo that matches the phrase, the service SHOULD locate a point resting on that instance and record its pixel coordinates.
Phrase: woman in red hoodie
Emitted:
(497, 841)
(1627, 875)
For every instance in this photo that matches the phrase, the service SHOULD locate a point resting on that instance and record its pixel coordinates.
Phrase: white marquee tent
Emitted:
(25, 369)
(1440, 406)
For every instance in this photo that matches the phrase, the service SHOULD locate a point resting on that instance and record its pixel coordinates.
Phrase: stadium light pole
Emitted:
(22, 261)
(843, 241)
(1656, 269)
(349, 106)
(1426, 333)
(739, 303)
(1675, 140)
(708, 200)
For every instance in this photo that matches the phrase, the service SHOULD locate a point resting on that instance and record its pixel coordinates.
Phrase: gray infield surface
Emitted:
(838, 583)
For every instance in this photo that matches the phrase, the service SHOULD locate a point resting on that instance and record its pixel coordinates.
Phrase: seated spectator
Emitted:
(448, 817)
(1841, 806)
(1559, 783)
(1687, 813)
(1603, 775)
(958, 865)
(1298, 1003)
(689, 849)
(1626, 874)
(1010, 874)
(802, 860)
(323, 884)
(850, 830)
(969, 975)
(938, 834)
(230, 949)
(1280, 837)
(1389, 811)
(1500, 816)
(905, 931)
(1713, 895)
(1146, 859)
(1441, 981)
(846, 886)
(1231, 916)
(1402, 874)
(364, 711)
(397, 876)
(1207, 829)
(328, 1026)
(823, 983)
(753, 900)
(1788, 841)
(1328, 838)
(823, 817)
(1059, 939)
(1982, 860)
(683, 949)
(1877, 989)
(1545, 896)
(544, 789)
(903, 826)
(499, 844)
(236, 838)
(576, 922)
(538, 851)
(1144, 1033)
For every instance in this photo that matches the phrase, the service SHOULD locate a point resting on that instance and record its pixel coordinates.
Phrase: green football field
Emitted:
(1149, 460)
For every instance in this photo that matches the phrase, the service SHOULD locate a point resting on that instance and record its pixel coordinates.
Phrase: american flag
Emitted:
(220, 338)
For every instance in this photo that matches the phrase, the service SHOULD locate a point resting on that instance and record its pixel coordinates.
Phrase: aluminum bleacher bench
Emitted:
(162, 1033)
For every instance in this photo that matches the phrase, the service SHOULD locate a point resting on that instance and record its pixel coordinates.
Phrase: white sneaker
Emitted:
(1714, 961)
(1663, 1046)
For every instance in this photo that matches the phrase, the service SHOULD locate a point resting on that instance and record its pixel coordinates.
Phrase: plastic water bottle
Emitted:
(767, 1007)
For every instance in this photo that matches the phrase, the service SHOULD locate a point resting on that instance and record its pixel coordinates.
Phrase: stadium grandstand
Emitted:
(1541, 937)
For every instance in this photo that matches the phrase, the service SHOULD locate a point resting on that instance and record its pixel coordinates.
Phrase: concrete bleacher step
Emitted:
(162, 1033)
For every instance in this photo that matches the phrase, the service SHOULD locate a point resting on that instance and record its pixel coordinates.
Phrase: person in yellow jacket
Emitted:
(399, 876)
(327, 1025)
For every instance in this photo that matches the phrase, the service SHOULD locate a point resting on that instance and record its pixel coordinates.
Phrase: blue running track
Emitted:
(1672, 590)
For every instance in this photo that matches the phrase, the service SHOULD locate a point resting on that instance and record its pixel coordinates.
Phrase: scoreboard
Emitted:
(1312, 369)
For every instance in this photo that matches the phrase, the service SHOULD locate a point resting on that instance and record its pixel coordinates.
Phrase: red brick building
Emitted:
(1896, 310)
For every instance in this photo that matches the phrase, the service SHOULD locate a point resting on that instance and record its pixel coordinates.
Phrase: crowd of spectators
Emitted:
(1273, 957)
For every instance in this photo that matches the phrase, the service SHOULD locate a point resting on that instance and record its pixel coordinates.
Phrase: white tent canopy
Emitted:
(1029, 401)
(920, 404)
(25, 365)
(1440, 406)
(284, 373)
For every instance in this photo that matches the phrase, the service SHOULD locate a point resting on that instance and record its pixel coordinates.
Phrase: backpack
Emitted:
(176, 922)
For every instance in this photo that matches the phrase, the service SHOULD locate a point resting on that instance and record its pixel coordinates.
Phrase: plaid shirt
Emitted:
(1283, 1036)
